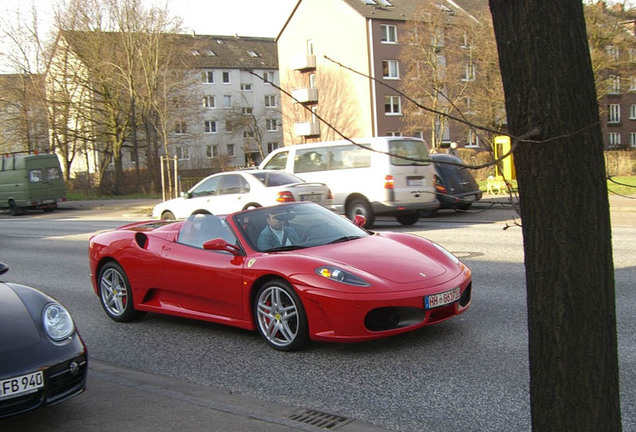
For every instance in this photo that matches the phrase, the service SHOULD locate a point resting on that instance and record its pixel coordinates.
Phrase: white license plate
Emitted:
(311, 197)
(470, 198)
(415, 182)
(441, 299)
(14, 387)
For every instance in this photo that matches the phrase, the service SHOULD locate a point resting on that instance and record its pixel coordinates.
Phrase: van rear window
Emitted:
(35, 175)
(406, 152)
(52, 173)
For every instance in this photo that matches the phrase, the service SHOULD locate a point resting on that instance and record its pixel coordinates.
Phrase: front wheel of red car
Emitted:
(280, 316)
(115, 293)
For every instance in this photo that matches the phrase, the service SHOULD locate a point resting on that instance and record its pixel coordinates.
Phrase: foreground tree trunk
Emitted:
(549, 88)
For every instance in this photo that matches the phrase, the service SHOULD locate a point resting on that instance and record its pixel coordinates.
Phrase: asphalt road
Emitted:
(468, 374)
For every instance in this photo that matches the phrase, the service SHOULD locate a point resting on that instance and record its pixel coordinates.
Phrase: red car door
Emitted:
(202, 281)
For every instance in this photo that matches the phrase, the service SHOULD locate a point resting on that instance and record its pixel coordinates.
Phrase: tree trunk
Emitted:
(549, 88)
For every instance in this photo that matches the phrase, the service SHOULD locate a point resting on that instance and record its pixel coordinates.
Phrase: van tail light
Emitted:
(285, 196)
(389, 182)
(329, 194)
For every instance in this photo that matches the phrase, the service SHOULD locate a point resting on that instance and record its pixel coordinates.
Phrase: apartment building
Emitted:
(237, 120)
(216, 103)
(327, 49)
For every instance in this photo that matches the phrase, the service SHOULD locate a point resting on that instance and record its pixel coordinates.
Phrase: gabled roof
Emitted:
(196, 51)
(402, 10)
(236, 52)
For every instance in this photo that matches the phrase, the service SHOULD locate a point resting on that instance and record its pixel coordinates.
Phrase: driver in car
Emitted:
(277, 232)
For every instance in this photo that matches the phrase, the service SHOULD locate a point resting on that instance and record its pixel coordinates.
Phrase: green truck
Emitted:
(30, 181)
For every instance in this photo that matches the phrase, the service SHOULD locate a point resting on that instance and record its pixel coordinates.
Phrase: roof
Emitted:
(236, 52)
(200, 51)
(402, 10)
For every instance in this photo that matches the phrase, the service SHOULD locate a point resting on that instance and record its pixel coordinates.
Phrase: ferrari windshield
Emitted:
(295, 226)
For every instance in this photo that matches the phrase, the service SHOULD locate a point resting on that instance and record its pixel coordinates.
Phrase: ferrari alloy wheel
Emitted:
(115, 293)
(280, 316)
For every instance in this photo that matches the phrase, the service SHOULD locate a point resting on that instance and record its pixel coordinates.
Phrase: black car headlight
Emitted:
(339, 275)
(57, 322)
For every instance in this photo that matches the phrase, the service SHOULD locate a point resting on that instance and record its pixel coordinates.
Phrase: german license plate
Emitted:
(14, 387)
(311, 197)
(415, 181)
(470, 198)
(441, 299)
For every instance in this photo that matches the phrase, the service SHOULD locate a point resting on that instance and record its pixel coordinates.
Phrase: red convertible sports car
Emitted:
(293, 271)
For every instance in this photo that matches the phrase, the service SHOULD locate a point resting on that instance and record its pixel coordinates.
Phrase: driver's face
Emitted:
(274, 222)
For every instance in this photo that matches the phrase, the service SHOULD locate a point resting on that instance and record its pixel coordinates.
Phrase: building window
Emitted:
(312, 80)
(180, 128)
(271, 125)
(253, 54)
(226, 77)
(270, 101)
(248, 134)
(632, 84)
(310, 47)
(227, 101)
(388, 33)
(612, 52)
(613, 139)
(271, 146)
(392, 105)
(614, 84)
(210, 126)
(469, 72)
(183, 153)
(613, 113)
(209, 102)
(394, 133)
(246, 87)
(230, 149)
(268, 77)
(229, 127)
(632, 112)
(247, 110)
(210, 53)
(208, 77)
(390, 69)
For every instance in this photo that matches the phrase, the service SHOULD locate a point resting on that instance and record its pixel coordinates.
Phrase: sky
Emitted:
(218, 17)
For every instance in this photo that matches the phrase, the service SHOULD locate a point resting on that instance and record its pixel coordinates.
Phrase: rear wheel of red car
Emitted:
(280, 316)
(115, 293)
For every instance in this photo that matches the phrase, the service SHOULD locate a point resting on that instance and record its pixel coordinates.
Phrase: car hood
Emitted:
(17, 328)
(384, 258)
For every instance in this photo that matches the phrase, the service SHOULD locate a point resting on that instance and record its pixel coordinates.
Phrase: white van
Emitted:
(390, 176)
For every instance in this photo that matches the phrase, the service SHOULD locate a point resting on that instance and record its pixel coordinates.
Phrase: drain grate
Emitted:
(319, 419)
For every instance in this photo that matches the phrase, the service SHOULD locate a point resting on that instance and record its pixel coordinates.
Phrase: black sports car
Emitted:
(43, 359)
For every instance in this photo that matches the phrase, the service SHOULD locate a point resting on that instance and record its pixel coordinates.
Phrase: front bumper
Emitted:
(346, 317)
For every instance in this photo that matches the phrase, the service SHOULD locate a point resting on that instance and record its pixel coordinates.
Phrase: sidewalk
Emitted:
(119, 399)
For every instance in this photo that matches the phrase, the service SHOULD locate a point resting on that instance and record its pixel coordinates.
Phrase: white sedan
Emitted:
(233, 191)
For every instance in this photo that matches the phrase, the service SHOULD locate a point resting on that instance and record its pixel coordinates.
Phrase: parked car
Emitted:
(455, 186)
(43, 360)
(381, 176)
(232, 191)
(295, 272)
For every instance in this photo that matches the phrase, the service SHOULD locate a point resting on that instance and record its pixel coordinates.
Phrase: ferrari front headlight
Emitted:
(340, 275)
(58, 323)
(447, 253)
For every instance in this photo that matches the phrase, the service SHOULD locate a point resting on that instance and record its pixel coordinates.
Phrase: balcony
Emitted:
(303, 62)
(305, 95)
(307, 129)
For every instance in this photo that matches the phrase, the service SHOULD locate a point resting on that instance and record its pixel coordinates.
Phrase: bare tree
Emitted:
(553, 115)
